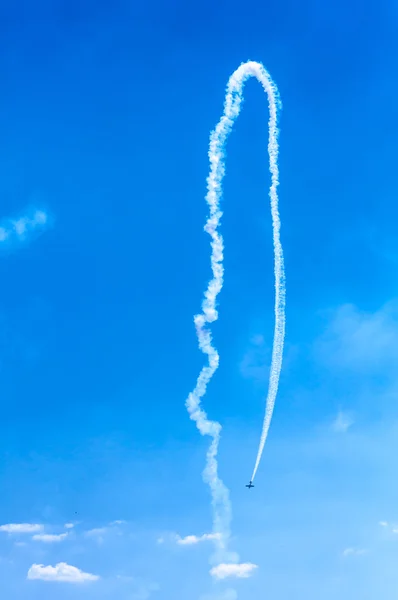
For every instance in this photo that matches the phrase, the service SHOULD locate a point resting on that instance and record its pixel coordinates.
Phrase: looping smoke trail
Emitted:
(218, 137)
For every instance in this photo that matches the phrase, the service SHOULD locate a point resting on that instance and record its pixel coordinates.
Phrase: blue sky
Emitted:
(105, 115)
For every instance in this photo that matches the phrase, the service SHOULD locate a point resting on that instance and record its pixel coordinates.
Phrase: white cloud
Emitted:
(69, 525)
(342, 422)
(61, 572)
(392, 528)
(21, 528)
(49, 538)
(189, 540)
(241, 570)
(354, 552)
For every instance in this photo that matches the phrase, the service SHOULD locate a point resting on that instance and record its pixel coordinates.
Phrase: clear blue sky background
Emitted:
(105, 114)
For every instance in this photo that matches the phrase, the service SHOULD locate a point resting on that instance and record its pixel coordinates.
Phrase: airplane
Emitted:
(249, 485)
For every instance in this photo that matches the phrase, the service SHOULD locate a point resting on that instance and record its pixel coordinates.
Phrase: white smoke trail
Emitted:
(218, 138)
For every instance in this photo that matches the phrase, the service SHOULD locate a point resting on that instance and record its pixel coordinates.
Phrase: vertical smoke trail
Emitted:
(218, 138)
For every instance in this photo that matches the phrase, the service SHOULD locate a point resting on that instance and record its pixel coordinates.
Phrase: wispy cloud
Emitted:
(49, 538)
(241, 570)
(354, 552)
(97, 534)
(361, 341)
(96, 531)
(21, 528)
(19, 229)
(393, 528)
(144, 590)
(342, 422)
(190, 540)
(61, 572)
(69, 525)
(24, 224)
